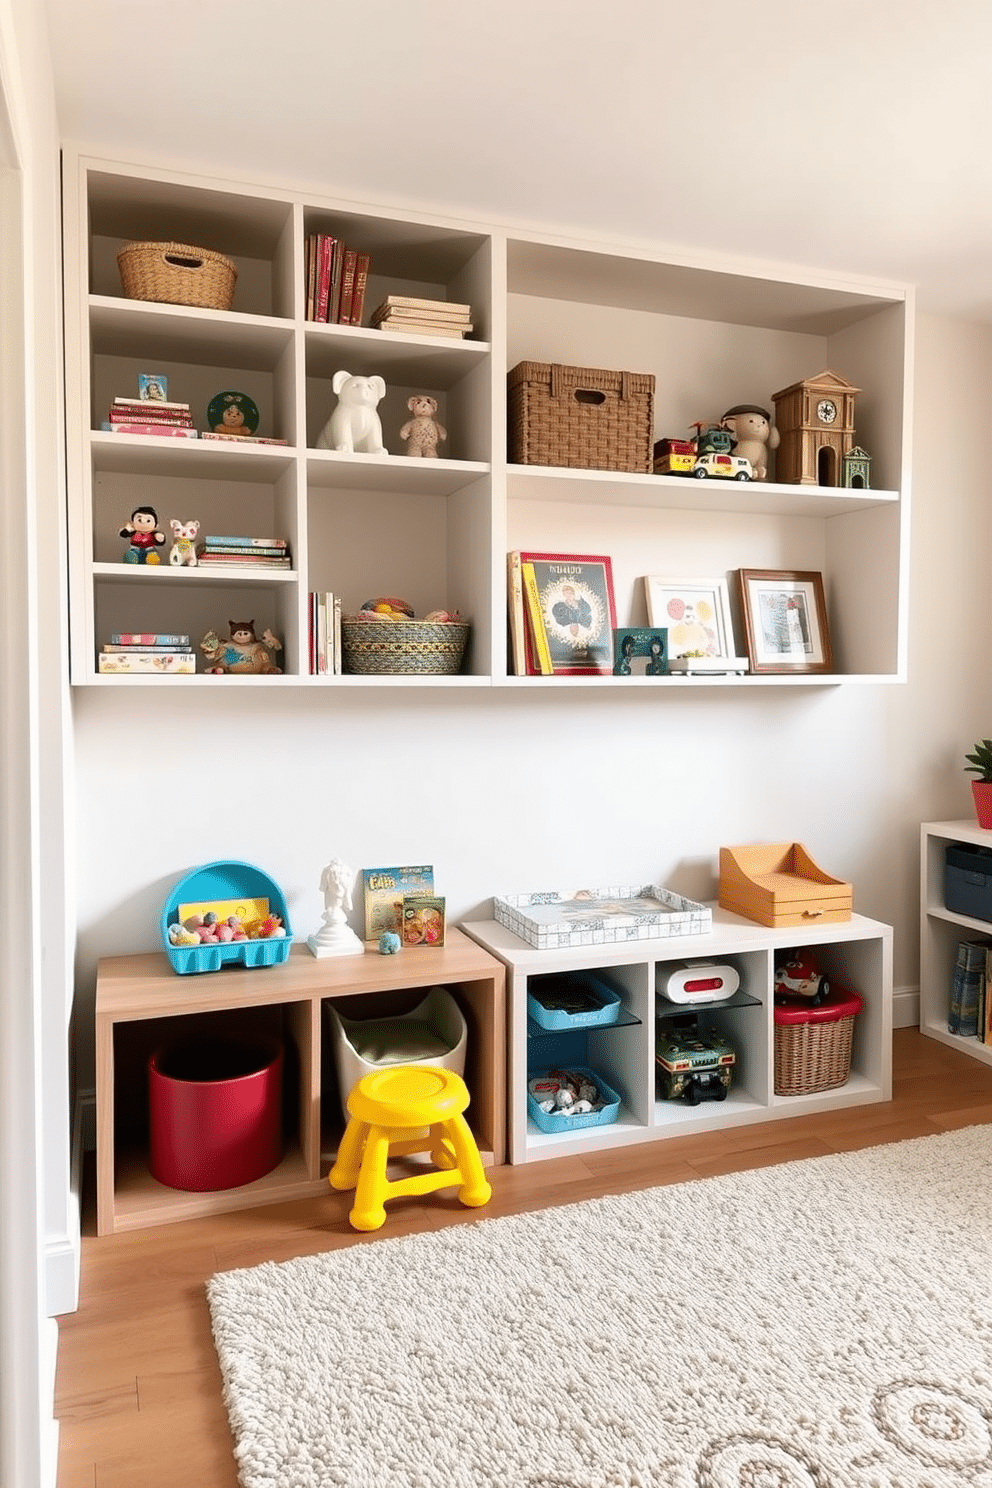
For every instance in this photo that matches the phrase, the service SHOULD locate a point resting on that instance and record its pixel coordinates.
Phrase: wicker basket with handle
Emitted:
(177, 274)
(813, 1045)
(584, 418)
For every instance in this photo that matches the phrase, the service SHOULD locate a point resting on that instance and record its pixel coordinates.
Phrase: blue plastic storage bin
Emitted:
(552, 1123)
(582, 983)
(218, 881)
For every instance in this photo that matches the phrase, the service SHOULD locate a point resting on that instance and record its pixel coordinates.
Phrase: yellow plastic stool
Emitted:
(383, 1109)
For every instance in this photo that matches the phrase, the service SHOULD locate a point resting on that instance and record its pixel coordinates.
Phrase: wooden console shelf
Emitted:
(141, 1003)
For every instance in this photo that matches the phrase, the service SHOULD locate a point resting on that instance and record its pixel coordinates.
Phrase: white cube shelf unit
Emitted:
(857, 955)
(941, 930)
(713, 334)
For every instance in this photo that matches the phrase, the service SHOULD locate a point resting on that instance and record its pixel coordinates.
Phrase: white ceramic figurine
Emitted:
(354, 426)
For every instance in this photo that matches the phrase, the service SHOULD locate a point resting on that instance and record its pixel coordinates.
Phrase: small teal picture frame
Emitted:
(631, 642)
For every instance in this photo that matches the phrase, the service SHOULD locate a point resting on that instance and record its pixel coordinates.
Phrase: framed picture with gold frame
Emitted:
(785, 620)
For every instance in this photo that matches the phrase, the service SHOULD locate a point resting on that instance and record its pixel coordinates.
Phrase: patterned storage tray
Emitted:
(607, 916)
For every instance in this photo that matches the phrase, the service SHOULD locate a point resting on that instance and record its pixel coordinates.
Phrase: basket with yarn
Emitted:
(385, 637)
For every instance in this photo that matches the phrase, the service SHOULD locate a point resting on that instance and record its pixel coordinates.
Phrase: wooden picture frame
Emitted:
(785, 620)
(696, 613)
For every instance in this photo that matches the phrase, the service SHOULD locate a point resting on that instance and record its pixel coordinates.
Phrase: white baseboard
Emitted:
(62, 1251)
(906, 1007)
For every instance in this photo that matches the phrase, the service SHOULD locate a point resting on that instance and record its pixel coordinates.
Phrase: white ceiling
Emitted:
(848, 135)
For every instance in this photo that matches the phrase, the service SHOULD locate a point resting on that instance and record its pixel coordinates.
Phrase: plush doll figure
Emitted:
(752, 430)
(242, 651)
(422, 433)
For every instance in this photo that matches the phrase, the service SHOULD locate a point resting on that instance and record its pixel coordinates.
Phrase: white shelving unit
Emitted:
(856, 955)
(941, 929)
(713, 334)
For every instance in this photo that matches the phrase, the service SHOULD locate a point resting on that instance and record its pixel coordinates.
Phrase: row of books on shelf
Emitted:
(336, 276)
(147, 651)
(324, 634)
(970, 1010)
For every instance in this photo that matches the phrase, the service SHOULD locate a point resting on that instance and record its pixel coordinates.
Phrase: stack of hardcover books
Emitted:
(150, 416)
(422, 317)
(336, 277)
(147, 651)
(244, 552)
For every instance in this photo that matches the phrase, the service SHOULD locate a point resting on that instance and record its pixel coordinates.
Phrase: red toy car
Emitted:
(797, 979)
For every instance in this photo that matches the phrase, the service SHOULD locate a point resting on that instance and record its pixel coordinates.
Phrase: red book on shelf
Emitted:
(362, 266)
(347, 286)
(337, 261)
(324, 256)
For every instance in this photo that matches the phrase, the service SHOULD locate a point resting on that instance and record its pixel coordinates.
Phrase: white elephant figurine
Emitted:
(354, 426)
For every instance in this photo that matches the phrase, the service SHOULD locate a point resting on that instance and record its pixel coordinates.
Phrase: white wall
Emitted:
(512, 792)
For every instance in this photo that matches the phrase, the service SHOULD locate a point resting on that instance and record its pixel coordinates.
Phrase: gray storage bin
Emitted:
(968, 880)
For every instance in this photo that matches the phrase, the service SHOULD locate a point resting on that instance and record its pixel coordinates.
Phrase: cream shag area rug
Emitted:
(822, 1324)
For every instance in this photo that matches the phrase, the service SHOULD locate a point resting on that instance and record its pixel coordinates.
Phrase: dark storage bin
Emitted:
(215, 1112)
(968, 881)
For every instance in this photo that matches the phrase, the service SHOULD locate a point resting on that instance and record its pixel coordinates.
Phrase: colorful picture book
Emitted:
(384, 890)
(562, 614)
(423, 920)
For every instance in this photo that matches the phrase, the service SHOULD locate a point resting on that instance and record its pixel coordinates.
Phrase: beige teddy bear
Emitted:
(423, 432)
(752, 428)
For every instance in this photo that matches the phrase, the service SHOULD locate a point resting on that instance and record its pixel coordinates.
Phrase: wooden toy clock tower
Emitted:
(815, 419)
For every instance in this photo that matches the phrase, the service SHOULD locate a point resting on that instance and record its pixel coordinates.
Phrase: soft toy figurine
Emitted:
(752, 430)
(242, 651)
(389, 943)
(422, 432)
(183, 550)
(143, 536)
(354, 426)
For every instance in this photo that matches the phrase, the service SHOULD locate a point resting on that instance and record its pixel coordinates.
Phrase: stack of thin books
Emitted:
(232, 551)
(422, 317)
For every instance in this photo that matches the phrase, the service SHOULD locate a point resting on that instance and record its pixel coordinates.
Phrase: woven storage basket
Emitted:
(176, 274)
(580, 417)
(813, 1046)
(406, 646)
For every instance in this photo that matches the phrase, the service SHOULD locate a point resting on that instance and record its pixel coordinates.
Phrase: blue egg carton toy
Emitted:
(225, 883)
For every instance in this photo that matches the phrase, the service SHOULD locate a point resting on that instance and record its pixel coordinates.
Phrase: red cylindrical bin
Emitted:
(215, 1110)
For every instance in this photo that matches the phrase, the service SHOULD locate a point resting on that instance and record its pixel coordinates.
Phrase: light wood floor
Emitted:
(138, 1385)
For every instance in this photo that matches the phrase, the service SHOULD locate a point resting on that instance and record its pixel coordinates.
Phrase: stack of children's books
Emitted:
(147, 651)
(243, 552)
(150, 416)
(415, 317)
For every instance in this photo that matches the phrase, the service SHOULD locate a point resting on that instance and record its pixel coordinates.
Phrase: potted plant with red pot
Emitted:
(980, 763)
